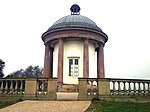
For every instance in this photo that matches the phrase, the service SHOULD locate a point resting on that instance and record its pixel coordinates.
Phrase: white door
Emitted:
(73, 69)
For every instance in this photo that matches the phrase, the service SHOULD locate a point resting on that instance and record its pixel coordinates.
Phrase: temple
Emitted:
(74, 68)
(74, 47)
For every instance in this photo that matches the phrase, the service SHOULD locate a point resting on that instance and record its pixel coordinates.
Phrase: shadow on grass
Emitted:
(7, 103)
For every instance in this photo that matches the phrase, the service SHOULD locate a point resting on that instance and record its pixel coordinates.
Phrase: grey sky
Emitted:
(126, 22)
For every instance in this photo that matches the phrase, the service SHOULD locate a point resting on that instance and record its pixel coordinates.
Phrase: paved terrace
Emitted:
(48, 106)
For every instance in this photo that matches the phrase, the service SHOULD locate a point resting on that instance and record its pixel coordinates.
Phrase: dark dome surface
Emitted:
(74, 21)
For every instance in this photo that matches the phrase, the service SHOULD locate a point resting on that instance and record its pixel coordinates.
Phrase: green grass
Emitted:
(5, 104)
(101, 106)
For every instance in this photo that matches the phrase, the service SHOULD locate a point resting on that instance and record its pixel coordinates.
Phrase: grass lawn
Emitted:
(5, 104)
(101, 106)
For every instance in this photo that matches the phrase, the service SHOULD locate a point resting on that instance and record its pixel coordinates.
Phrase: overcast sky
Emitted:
(126, 22)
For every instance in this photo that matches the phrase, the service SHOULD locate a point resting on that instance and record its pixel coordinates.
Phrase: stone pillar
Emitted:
(52, 87)
(82, 89)
(48, 62)
(86, 59)
(103, 87)
(100, 62)
(30, 88)
(60, 61)
(51, 63)
(98, 74)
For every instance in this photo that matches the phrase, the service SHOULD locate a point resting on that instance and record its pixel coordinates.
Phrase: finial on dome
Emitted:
(75, 9)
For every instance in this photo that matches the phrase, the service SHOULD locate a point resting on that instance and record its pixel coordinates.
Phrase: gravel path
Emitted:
(48, 106)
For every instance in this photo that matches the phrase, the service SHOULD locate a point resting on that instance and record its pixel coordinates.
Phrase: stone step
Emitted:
(67, 96)
(68, 88)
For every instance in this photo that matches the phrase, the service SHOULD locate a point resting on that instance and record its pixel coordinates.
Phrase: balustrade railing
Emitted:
(88, 88)
(28, 88)
(107, 87)
(42, 86)
(129, 87)
(12, 86)
(92, 86)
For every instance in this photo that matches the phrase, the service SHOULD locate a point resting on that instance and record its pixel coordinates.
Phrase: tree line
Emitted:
(30, 71)
(2, 65)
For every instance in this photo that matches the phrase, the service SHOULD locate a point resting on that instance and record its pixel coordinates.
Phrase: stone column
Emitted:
(46, 61)
(86, 59)
(98, 75)
(51, 63)
(60, 61)
(100, 62)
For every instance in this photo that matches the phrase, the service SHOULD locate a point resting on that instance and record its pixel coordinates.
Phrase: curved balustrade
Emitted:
(89, 88)
(12, 86)
(129, 87)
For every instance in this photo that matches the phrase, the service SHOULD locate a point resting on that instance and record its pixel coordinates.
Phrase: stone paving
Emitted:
(48, 106)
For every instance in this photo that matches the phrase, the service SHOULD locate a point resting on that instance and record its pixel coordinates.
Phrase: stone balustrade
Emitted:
(113, 88)
(12, 86)
(42, 86)
(88, 88)
(28, 88)
(129, 87)
(46, 88)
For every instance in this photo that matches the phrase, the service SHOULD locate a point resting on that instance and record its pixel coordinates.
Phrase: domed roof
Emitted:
(74, 21)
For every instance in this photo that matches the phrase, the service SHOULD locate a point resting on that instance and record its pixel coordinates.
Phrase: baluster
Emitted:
(6, 87)
(129, 88)
(1, 88)
(21, 86)
(148, 88)
(16, 87)
(91, 92)
(42, 87)
(134, 87)
(124, 88)
(45, 86)
(119, 88)
(114, 89)
(95, 90)
(139, 88)
(11, 86)
(38, 87)
(144, 89)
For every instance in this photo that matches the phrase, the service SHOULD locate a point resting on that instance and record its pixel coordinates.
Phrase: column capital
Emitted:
(86, 41)
(46, 44)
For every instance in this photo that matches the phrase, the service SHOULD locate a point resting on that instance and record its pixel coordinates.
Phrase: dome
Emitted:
(75, 21)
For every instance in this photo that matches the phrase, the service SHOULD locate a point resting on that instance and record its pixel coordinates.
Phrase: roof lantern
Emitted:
(75, 9)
